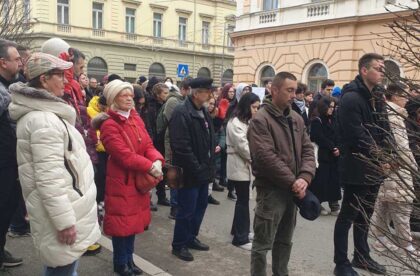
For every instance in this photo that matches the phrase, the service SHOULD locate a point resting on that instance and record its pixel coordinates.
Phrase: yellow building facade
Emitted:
(142, 37)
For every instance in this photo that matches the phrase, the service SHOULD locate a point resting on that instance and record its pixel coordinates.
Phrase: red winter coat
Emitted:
(127, 212)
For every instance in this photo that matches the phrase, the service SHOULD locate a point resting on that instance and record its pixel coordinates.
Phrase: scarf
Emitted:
(300, 104)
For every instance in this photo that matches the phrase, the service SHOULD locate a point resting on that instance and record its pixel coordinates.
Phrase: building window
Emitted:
(26, 10)
(157, 70)
(227, 77)
(130, 20)
(230, 30)
(205, 33)
(317, 74)
(392, 72)
(182, 36)
(157, 25)
(63, 12)
(97, 11)
(270, 5)
(204, 73)
(130, 67)
(267, 73)
(97, 68)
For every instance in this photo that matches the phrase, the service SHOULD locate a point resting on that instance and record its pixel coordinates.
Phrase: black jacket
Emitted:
(7, 130)
(360, 120)
(303, 114)
(193, 143)
(323, 134)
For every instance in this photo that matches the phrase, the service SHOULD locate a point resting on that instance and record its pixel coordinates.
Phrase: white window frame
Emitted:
(96, 15)
(63, 7)
(157, 24)
(130, 21)
(205, 33)
(182, 29)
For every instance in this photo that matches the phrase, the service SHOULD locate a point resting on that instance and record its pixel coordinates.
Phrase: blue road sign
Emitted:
(183, 70)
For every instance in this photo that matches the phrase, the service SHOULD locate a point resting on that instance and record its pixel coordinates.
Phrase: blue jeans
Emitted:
(123, 249)
(192, 204)
(67, 270)
(174, 197)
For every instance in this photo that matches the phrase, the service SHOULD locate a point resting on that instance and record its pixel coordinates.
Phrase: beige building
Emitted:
(142, 37)
(314, 40)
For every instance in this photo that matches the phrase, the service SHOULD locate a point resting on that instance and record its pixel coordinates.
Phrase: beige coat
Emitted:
(45, 127)
(398, 187)
(238, 156)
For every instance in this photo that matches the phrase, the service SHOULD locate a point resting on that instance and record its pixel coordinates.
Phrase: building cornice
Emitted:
(324, 23)
(134, 2)
(205, 15)
(182, 11)
(158, 7)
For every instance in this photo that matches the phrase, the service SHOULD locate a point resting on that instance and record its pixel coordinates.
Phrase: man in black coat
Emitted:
(193, 145)
(359, 130)
(10, 64)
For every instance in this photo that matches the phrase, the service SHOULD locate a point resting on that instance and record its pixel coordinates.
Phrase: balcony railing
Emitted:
(131, 37)
(268, 17)
(100, 33)
(64, 28)
(318, 10)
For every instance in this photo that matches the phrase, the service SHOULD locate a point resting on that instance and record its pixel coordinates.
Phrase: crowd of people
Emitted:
(78, 155)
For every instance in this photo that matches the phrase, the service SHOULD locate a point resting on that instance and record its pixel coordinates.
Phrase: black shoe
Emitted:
(123, 270)
(153, 207)
(10, 261)
(344, 270)
(135, 269)
(172, 214)
(164, 202)
(222, 183)
(197, 245)
(184, 254)
(217, 187)
(231, 196)
(369, 264)
(213, 201)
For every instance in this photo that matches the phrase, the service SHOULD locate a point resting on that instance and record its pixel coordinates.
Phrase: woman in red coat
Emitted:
(127, 211)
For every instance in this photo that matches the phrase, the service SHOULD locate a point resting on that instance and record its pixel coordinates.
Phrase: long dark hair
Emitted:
(323, 106)
(243, 109)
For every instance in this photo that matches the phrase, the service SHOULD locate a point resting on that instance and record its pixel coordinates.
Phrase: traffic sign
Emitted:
(183, 70)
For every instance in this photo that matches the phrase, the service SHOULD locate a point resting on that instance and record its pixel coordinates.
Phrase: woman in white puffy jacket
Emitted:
(396, 195)
(55, 170)
(239, 171)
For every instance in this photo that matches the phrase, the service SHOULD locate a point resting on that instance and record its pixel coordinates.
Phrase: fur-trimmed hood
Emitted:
(26, 99)
(99, 119)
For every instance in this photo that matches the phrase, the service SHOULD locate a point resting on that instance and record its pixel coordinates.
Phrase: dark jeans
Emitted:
(100, 176)
(123, 249)
(9, 199)
(241, 220)
(174, 197)
(67, 270)
(19, 223)
(192, 204)
(357, 208)
(160, 190)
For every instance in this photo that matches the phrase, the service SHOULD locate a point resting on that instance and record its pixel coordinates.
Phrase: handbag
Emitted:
(144, 182)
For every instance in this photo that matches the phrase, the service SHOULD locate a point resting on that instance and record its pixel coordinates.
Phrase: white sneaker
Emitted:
(247, 246)
(324, 212)
(251, 236)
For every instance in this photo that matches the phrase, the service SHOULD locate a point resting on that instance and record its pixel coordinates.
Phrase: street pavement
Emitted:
(312, 252)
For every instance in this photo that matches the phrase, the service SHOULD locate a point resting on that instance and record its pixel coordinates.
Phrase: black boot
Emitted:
(217, 187)
(163, 201)
(172, 214)
(136, 270)
(212, 200)
(123, 270)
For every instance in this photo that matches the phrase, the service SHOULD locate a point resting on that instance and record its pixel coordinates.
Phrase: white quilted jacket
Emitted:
(53, 203)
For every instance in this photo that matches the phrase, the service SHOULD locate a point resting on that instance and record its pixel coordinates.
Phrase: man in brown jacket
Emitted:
(283, 163)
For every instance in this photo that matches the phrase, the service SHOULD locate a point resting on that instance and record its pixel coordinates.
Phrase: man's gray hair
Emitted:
(4, 47)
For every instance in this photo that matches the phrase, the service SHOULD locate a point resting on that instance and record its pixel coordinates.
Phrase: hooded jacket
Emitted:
(93, 110)
(276, 161)
(55, 172)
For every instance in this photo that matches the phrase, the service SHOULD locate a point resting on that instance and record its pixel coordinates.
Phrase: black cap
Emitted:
(114, 77)
(204, 83)
(152, 82)
(309, 206)
(142, 79)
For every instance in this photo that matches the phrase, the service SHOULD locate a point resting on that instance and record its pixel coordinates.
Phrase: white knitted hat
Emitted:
(113, 88)
(55, 46)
